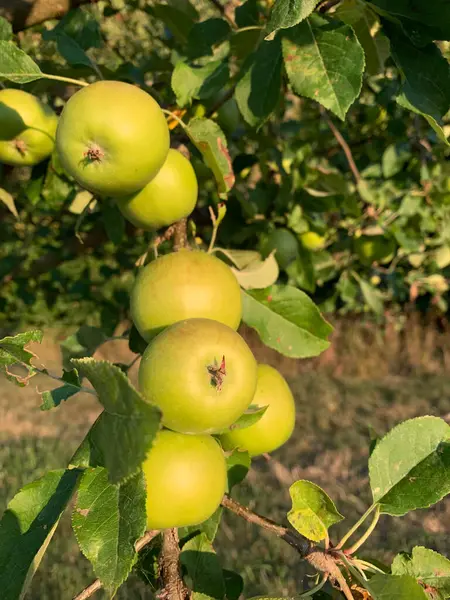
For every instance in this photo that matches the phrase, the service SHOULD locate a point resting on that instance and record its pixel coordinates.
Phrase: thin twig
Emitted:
(61, 380)
(343, 144)
(328, 5)
(294, 539)
(174, 588)
(96, 585)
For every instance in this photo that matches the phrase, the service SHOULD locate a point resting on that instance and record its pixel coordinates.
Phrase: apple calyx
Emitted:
(94, 153)
(217, 373)
(20, 146)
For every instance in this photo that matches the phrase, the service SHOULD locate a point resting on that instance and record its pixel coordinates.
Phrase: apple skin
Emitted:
(374, 248)
(27, 128)
(275, 426)
(175, 374)
(285, 243)
(184, 285)
(170, 196)
(112, 138)
(312, 240)
(186, 477)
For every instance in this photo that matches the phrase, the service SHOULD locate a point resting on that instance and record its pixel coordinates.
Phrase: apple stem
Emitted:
(20, 146)
(217, 373)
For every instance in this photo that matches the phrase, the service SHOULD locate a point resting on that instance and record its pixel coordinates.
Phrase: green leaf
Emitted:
(210, 140)
(410, 466)
(82, 343)
(53, 398)
(209, 527)
(313, 512)
(234, 584)
(258, 274)
(136, 342)
(12, 351)
(198, 82)
(81, 27)
(107, 520)
(422, 22)
(301, 272)
(17, 66)
(203, 567)
(258, 91)
(244, 42)
(286, 320)
(8, 201)
(128, 419)
(113, 221)
(325, 62)
(425, 72)
(287, 13)
(71, 51)
(390, 587)
(238, 465)
(27, 527)
(372, 296)
(366, 24)
(204, 36)
(178, 21)
(431, 568)
(434, 124)
(251, 416)
(6, 31)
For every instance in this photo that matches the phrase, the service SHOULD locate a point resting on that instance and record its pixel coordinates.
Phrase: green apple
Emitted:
(276, 425)
(284, 242)
(312, 240)
(375, 248)
(183, 285)
(27, 128)
(200, 373)
(186, 478)
(112, 138)
(170, 196)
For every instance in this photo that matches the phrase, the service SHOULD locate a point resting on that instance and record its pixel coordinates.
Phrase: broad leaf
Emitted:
(251, 416)
(287, 13)
(366, 25)
(82, 343)
(6, 31)
(211, 142)
(17, 66)
(258, 91)
(205, 35)
(203, 567)
(258, 274)
(107, 520)
(410, 466)
(113, 221)
(238, 465)
(8, 201)
(286, 320)
(324, 61)
(390, 587)
(53, 398)
(128, 419)
(190, 83)
(426, 565)
(422, 22)
(426, 74)
(234, 584)
(434, 124)
(372, 296)
(208, 527)
(313, 511)
(27, 527)
(12, 352)
(177, 20)
(81, 27)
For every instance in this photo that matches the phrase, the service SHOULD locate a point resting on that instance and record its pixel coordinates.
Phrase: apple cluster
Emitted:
(113, 139)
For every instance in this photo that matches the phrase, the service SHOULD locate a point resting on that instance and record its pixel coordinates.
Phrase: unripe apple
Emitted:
(312, 240)
(284, 242)
(27, 128)
(183, 285)
(275, 426)
(200, 373)
(112, 138)
(170, 196)
(186, 478)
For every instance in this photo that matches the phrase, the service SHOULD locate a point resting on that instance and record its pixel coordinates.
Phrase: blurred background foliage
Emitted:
(358, 211)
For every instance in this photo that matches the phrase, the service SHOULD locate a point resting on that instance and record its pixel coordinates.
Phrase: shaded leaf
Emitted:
(258, 91)
(17, 66)
(234, 584)
(5, 30)
(434, 124)
(313, 511)
(286, 320)
(208, 527)
(53, 398)
(178, 21)
(203, 567)
(82, 343)
(205, 35)
(251, 416)
(113, 221)
(27, 527)
(211, 142)
(410, 466)
(107, 520)
(198, 82)
(371, 296)
(238, 465)
(128, 419)
(325, 62)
